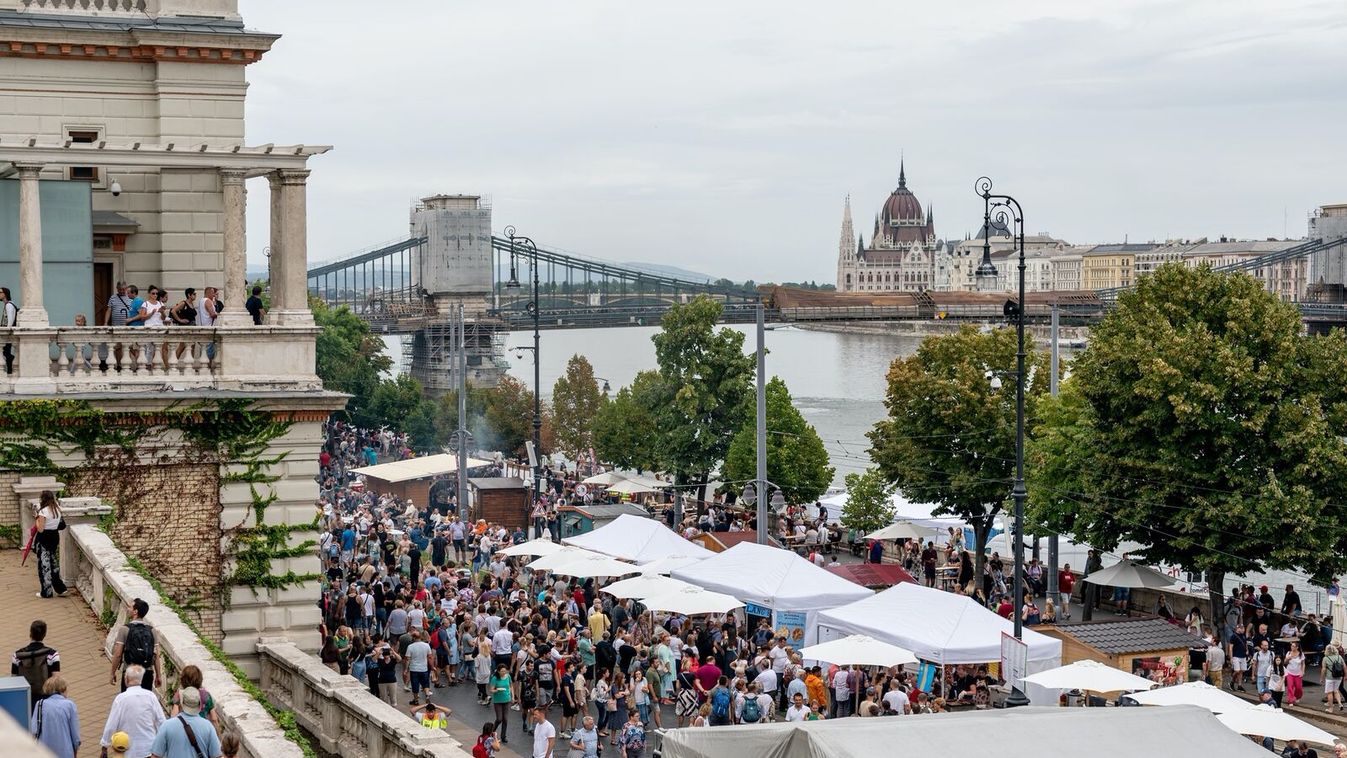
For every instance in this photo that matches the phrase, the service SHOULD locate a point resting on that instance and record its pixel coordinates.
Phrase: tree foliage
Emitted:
(1203, 425)
(350, 357)
(576, 401)
(949, 438)
(623, 427)
(868, 505)
(797, 462)
(508, 416)
(704, 380)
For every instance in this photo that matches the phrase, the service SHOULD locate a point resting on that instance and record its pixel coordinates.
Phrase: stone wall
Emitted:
(101, 574)
(9, 500)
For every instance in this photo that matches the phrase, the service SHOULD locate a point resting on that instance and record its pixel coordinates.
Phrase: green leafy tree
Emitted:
(622, 426)
(796, 459)
(350, 358)
(949, 438)
(392, 403)
(576, 401)
(1201, 424)
(868, 505)
(508, 417)
(705, 379)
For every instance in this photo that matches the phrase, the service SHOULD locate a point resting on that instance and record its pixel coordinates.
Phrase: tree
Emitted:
(391, 404)
(350, 358)
(797, 462)
(575, 402)
(1201, 424)
(949, 438)
(704, 380)
(508, 414)
(622, 427)
(868, 505)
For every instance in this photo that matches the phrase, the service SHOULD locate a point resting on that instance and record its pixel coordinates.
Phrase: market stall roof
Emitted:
(769, 576)
(1017, 733)
(636, 538)
(873, 574)
(417, 468)
(938, 626)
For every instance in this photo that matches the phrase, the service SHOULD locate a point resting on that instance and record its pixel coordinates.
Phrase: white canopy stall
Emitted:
(635, 538)
(940, 627)
(774, 582)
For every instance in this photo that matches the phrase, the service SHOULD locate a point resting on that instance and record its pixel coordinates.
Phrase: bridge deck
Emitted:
(72, 630)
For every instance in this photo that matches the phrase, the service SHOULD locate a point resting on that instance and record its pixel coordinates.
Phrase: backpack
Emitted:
(479, 750)
(139, 645)
(1335, 668)
(33, 666)
(720, 704)
(752, 711)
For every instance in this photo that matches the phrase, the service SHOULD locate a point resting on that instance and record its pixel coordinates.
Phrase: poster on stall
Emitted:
(926, 677)
(791, 624)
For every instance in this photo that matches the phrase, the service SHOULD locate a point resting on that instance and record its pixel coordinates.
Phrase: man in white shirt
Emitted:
(502, 643)
(797, 710)
(841, 694)
(897, 700)
(137, 712)
(544, 734)
(779, 655)
(766, 681)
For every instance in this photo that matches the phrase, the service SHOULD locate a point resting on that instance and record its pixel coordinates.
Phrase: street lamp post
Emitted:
(1008, 211)
(531, 250)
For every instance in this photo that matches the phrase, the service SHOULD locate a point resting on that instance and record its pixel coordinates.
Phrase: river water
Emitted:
(837, 380)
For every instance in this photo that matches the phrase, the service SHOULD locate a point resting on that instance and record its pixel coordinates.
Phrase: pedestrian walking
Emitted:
(136, 644)
(187, 735)
(55, 721)
(36, 661)
(47, 543)
(136, 711)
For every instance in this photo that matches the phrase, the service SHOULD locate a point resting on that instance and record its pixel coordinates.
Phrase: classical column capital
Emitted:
(293, 176)
(28, 170)
(231, 176)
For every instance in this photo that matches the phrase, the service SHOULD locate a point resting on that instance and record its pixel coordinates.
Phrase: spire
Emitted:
(860, 244)
(930, 215)
(844, 244)
(902, 173)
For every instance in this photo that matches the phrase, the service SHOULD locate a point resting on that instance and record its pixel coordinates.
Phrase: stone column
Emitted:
(276, 261)
(30, 246)
(235, 247)
(294, 249)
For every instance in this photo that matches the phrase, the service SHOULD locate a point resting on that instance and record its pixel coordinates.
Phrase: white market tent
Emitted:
(903, 510)
(417, 468)
(774, 578)
(636, 538)
(643, 585)
(1016, 733)
(1091, 676)
(940, 627)
(1197, 693)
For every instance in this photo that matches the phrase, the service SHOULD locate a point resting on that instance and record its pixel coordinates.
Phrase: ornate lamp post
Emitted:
(531, 251)
(1007, 211)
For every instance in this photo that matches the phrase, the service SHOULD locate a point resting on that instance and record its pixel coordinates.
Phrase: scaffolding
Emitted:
(429, 354)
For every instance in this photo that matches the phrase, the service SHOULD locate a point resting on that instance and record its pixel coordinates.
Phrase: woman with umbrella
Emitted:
(47, 540)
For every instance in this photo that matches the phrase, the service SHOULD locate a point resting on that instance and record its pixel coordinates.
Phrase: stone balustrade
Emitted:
(111, 360)
(101, 573)
(85, 6)
(340, 711)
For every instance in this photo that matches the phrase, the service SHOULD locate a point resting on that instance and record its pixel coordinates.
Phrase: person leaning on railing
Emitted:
(184, 314)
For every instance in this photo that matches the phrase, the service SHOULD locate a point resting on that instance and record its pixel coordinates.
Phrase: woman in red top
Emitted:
(1066, 581)
(1005, 608)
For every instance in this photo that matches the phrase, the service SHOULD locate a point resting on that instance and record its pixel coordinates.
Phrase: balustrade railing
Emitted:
(106, 6)
(177, 351)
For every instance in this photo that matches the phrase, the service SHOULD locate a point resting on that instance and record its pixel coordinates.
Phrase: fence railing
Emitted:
(341, 713)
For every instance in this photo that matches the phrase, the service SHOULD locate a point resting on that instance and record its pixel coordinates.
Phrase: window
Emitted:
(83, 137)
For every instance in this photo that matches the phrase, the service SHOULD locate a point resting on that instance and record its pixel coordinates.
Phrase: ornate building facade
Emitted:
(903, 254)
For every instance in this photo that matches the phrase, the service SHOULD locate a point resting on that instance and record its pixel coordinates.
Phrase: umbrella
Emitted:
(1266, 721)
(644, 585)
(540, 547)
(559, 557)
(630, 488)
(901, 530)
(598, 566)
(604, 479)
(860, 650)
(28, 548)
(669, 563)
(692, 601)
(1125, 573)
(1089, 675)
(1200, 694)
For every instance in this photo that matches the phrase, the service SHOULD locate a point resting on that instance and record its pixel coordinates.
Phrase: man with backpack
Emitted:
(135, 645)
(721, 699)
(756, 707)
(35, 661)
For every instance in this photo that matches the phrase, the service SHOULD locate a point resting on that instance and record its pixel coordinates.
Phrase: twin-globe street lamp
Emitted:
(1009, 216)
(531, 251)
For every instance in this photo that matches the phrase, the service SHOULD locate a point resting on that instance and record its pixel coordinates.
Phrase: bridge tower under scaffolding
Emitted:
(452, 267)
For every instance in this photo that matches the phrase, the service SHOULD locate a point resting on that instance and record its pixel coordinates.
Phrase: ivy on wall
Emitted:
(115, 451)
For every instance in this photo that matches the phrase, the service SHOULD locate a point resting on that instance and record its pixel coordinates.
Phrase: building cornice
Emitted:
(133, 45)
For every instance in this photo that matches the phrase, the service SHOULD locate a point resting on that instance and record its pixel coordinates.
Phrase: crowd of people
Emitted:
(138, 724)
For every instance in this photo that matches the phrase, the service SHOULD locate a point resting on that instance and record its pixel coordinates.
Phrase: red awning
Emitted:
(873, 574)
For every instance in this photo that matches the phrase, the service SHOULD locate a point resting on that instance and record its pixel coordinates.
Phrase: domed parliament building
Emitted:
(903, 253)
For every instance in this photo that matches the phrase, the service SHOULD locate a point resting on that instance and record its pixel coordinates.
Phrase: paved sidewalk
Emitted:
(72, 630)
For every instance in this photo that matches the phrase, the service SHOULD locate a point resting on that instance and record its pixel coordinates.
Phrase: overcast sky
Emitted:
(723, 136)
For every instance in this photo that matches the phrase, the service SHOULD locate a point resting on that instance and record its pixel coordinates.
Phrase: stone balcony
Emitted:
(118, 361)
